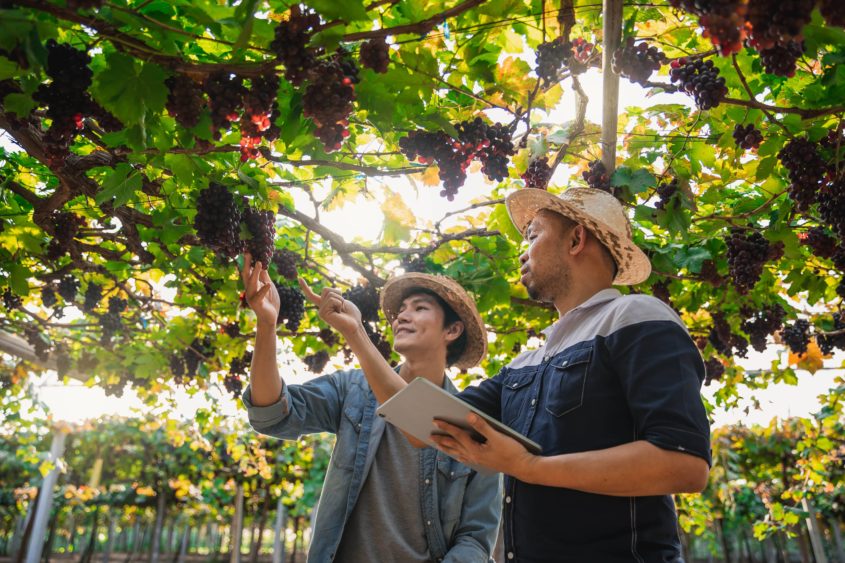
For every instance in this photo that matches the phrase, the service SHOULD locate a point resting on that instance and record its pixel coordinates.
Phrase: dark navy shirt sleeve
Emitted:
(660, 370)
(487, 395)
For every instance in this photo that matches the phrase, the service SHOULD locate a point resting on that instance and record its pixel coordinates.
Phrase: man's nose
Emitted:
(523, 258)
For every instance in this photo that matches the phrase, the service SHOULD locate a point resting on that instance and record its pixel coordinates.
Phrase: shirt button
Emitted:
(508, 499)
(428, 522)
(428, 481)
(510, 555)
(452, 473)
(563, 363)
(533, 402)
(514, 385)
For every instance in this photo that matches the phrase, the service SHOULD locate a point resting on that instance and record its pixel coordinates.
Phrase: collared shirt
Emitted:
(614, 370)
(461, 508)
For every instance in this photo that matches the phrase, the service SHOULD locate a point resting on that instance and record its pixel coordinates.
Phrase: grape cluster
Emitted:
(93, 295)
(291, 43)
(538, 174)
(806, 169)
(194, 355)
(316, 362)
(552, 56)
(375, 55)
(66, 97)
(366, 299)
(439, 148)
(262, 227)
(38, 341)
(747, 136)
(637, 62)
(226, 94)
(232, 330)
(700, 79)
(111, 322)
(714, 369)
(68, 287)
(582, 51)
(833, 12)
(836, 336)
(11, 300)
(710, 273)
(239, 366)
(780, 59)
(797, 336)
(285, 262)
(218, 219)
(328, 101)
(380, 342)
(597, 176)
(667, 192)
(723, 340)
(660, 290)
(747, 253)
(259, 104)
(759, 325)
(495, 154)
(831, 200)
(822, 244)
(777, 21)
(48, 296)
(65, 226)
(184, 100)
(291, 307)
(328, 336)
(233, 384)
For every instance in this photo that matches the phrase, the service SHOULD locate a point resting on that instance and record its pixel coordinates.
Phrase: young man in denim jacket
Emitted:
(382, 499)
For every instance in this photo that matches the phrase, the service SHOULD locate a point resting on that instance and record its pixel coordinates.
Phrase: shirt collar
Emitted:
(597, 298)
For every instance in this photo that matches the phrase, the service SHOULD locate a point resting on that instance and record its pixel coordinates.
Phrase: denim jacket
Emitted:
(461, 508)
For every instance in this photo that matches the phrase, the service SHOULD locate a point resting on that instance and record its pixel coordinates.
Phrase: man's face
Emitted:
(545, 273)
(419, 325)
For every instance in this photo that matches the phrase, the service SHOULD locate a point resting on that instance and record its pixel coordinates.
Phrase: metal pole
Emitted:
(45, 498)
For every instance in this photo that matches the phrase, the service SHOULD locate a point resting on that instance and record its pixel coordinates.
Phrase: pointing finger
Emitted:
(309, 293)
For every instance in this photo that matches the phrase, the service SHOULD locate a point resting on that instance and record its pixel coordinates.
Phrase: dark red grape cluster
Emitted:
(259, 104)
(797, 336)
(700, 79)
(66, 97)
(710, 273)
(582, 52)
(316, 362)
(11, 300)
(667, 192)
(110, 321)
(833, 12)
(747, 253)
(226, 92)
(637, 62)
(198, 351)
(538, 174)
(285, 262)
(747, 136)
(721, 20)
(241, 365)
(65, 226)
(780, 59)
(597, 176)
(714, 369)
(39, 342)
(291, 307)
(818, 239)
(660, 290)
(417, 264)
(328, 100)
(291, 43)
(68, 287)
(776, 21)
(724, 340)
(232, 330)
(233, 384)
(835, 337)
(831, 200)
(375, 55)
(496, 153)
(262, 228)
(328, 336)
(380, 342)
(806, 169)
(758, 325)
(218, 220)
(184, 100)
(366, 299)
(552, 56)
(48, 296)
(92, 297)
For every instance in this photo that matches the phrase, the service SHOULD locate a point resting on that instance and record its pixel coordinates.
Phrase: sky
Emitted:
(74, 402)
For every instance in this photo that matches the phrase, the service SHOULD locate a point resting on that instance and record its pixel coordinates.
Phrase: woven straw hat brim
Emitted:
(633, 266)
(452, 293)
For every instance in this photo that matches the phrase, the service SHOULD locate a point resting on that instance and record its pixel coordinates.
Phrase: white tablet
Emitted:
(413, 408)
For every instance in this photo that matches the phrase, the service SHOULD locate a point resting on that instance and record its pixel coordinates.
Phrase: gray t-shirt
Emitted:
(387, 524)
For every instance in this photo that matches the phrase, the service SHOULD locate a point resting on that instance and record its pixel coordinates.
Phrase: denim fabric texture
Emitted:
(461, 508)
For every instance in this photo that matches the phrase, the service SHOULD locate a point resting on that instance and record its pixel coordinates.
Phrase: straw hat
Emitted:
(597, 210)
(452, 293)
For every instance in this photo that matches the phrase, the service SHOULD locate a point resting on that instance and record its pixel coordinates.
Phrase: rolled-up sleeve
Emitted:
(661, 370)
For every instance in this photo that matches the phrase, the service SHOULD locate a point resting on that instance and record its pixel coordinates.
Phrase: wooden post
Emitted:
(279, 528)
(837, 539)
(612, 37)
(813, 530)
(110, 540)
(237, 525)
(45, 497)
(161, 507)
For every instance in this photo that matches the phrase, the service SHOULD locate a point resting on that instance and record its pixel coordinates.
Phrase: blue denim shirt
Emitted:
(461, 508)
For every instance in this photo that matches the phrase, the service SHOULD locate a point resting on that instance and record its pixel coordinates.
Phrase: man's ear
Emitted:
(454, 331)
(579, 239)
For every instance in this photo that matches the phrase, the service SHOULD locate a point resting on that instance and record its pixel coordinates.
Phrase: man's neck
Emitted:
(423, 367)
(578, 295)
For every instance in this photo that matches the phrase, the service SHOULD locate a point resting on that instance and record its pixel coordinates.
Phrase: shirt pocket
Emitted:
(452, 480)
(567, 381)
(515, 390)
(348, 435)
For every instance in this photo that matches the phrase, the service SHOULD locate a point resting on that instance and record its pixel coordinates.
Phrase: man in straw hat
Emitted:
(382, 500)
(612, 397)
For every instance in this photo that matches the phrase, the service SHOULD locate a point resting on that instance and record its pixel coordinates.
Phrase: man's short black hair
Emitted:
(457, 347)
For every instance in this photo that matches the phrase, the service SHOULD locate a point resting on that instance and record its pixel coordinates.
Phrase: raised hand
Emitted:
(340, 314)
(260, 292)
